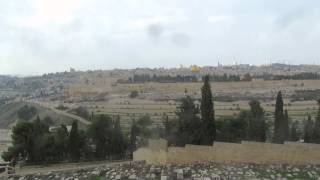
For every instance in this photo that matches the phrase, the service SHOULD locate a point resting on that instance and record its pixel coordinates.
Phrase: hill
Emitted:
(8, 114)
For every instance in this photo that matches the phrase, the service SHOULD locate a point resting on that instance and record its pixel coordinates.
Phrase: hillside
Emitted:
(8, 114)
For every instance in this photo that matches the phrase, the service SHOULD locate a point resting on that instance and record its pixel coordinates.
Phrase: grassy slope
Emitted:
(8, 114)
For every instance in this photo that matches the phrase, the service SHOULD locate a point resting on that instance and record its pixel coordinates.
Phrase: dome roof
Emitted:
(195, 68)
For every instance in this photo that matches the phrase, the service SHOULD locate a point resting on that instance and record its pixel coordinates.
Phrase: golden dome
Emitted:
(195, 68)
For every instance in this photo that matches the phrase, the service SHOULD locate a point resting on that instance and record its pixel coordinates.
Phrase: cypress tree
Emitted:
(74, 142)
(118, 141)
(286, 125)
(207, 112)
(308, 130)
(166, 126)
(278, 120)
(133, 136)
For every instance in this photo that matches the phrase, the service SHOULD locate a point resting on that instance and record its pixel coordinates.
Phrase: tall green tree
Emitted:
(256, 125)
(74, 142)
(294, 133)
(190, 127)
(118, 141)
(167, 127)
(285, 125)
(207, 112)
(134, 131)
(308, 127)
(278, 136)
(40, 138)
(316, 128)
(30, 141)
(61, 139)
(39, 127)
(100, 131)
(22, 141)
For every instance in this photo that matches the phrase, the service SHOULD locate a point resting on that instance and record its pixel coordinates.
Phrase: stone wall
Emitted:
(246, 152)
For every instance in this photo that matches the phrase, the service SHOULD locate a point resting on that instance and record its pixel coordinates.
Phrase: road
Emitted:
(52, 107)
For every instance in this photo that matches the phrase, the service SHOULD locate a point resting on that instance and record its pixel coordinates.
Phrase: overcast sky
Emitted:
(39, 36)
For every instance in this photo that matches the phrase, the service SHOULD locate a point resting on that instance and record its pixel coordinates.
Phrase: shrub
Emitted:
(27, 112)
(134, 94)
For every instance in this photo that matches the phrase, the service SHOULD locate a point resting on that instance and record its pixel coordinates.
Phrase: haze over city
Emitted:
(40, 36)
(159, 89)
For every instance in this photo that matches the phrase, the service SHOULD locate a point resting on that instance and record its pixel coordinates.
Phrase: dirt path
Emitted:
(64, 167)
(63, 113)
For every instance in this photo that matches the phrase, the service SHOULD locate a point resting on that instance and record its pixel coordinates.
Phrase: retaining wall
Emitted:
(245, 152)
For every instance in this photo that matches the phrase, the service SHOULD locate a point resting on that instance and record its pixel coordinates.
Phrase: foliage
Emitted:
(61, 137)
(107, 137)
(306, 95)
(82, 112)
(285, 127)
(189, 129)
(248, 125)
(279, 121)
(62, 107)
(231, 129)
(74, 142)
(140, 132)
(316, 128)
(26, 112)
(207, 113)
(33, 142)
(256, 122)
(247, 77)
(142, 78)
(308, 127)
(100, 131)
(48, 121)
(134, 131)
(162, 79)
(312, 128)
(118, 141)
(294, 134)
(298, 76)
(224, 78)
(170, 130)
(134, 94)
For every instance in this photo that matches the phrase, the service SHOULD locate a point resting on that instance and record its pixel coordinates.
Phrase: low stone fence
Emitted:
(245, 152)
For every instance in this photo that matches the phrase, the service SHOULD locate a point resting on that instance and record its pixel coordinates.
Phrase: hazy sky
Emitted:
(38, 36)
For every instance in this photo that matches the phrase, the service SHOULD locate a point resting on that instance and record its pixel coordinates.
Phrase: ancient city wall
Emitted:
(247, 152)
